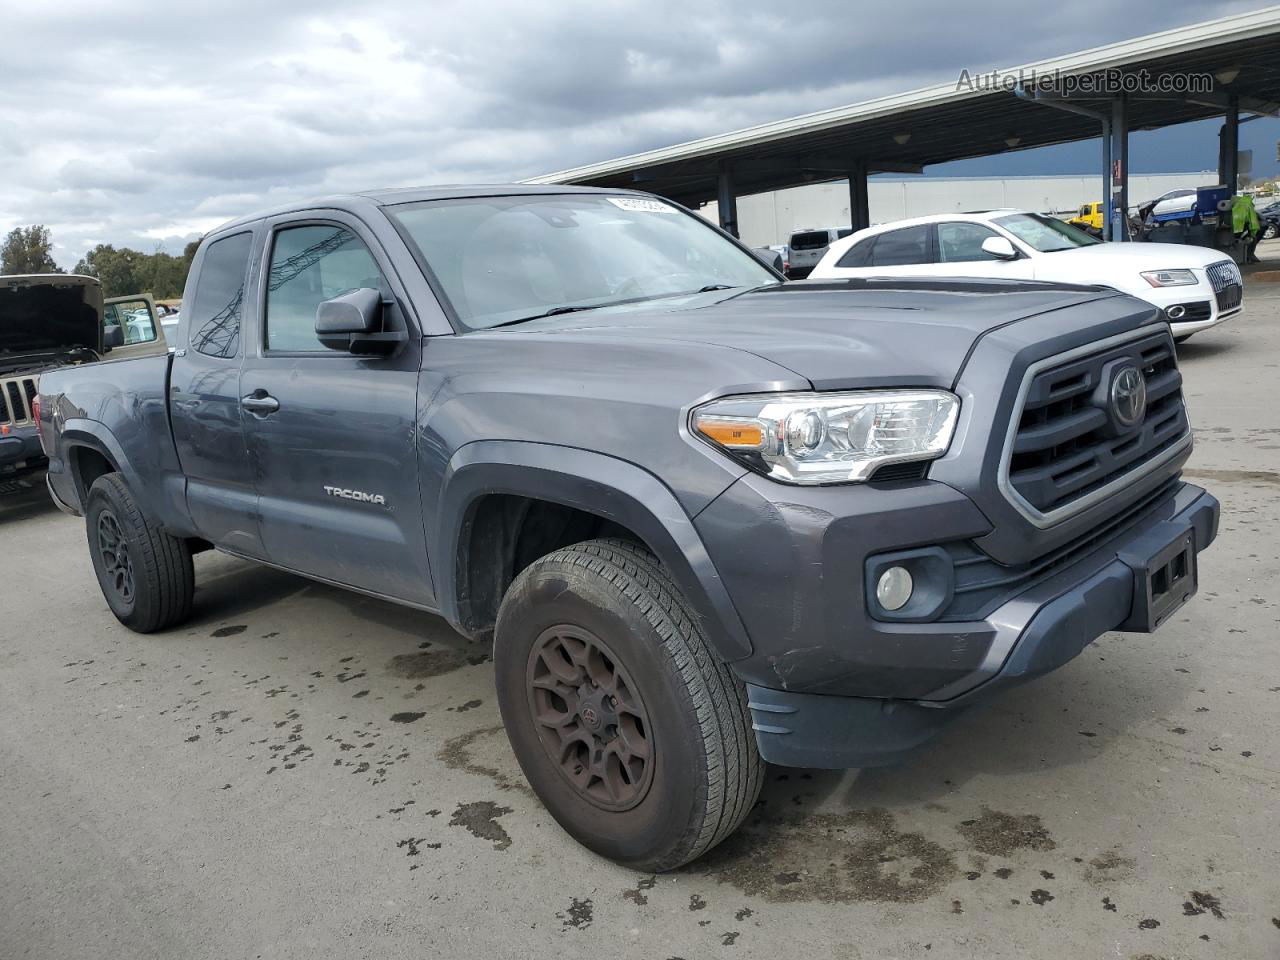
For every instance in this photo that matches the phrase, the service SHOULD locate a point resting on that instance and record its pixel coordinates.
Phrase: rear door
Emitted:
(204, 397)
(331, 439)
(905, 252)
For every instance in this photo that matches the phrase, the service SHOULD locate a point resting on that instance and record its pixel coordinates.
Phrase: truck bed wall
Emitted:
(120, 408)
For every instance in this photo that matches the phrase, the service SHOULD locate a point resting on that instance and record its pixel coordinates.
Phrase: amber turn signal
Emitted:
(732, 434)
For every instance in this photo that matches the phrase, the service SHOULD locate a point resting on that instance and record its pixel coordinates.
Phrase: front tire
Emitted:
(146, 576)
(631, 731)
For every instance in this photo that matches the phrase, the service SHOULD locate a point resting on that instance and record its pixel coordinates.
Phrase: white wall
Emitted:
(770, 218)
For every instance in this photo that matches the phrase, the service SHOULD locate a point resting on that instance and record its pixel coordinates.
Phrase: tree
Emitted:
(28, 250)
(124, 271)
(116, 269)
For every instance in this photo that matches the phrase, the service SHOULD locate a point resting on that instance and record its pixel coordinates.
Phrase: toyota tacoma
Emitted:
(708, 519)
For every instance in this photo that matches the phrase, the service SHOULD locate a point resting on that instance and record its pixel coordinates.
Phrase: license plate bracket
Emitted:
(1164, 578)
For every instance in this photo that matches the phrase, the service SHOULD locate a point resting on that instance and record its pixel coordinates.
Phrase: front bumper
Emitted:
(20, 451)
(1200, 293)
(1035, 632)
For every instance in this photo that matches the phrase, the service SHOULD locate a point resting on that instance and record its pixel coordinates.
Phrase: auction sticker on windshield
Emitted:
(642, 205)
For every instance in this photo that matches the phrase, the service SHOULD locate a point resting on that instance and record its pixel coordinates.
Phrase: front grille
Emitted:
(1068, 444)
(15, 400)
(1228, 287)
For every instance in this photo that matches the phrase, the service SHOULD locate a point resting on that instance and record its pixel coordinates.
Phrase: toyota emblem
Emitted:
(1129, 396)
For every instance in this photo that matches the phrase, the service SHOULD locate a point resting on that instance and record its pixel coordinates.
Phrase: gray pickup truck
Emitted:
(708, 518)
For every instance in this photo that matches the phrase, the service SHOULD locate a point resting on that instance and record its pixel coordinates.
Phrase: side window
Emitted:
(907, 246)
(134, 317)
(962, 242)
(859, 255)
(215, 317)
(1085, 211)
(308, 265)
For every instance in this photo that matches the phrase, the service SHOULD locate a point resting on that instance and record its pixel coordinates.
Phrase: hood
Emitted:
(837, 334)
(42, 314)
(1135, 256)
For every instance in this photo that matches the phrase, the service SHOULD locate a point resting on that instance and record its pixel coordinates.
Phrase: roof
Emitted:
(390, 196)
(951, 122)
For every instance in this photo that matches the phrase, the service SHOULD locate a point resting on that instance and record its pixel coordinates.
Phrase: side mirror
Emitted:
(1000, 248)
(112, 337)
(352, 321)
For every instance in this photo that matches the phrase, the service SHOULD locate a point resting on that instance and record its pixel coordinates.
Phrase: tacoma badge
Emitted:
(360, 495)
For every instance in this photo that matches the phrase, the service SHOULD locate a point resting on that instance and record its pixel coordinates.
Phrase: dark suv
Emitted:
(708, 518)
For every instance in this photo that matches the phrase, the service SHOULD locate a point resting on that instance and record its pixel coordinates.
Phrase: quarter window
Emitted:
(309, 265)
(215, 316)
(859, 255)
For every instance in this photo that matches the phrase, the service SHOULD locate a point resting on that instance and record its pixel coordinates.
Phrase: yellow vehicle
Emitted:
(1090, 217)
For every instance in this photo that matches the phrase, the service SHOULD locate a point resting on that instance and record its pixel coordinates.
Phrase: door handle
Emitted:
(260, 403)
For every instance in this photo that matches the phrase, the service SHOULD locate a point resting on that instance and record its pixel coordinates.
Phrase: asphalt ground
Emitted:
(302, 772)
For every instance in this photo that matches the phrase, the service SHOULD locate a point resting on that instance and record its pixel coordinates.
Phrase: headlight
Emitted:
(1170, 278)
(814, 438)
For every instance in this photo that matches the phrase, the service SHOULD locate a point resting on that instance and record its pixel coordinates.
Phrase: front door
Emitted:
(960, 253)
(331, 436)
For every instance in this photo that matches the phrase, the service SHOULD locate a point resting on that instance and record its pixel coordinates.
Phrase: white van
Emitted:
(807, 247)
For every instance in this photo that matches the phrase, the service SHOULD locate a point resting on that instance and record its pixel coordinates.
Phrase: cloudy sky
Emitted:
(146, 123)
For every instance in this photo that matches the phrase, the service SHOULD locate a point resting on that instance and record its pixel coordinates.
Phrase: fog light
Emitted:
(893, 590)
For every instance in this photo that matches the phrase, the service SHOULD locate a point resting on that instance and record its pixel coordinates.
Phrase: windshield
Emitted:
(1045, 233)
(505, 259)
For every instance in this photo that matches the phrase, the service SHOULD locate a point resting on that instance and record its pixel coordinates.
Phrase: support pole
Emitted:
(727, 200)
(1229, 145)
(1106, 178)
(1109, 155)
(859, 200)
(1119, 168)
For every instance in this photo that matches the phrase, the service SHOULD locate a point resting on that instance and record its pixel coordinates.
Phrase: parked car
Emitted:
(1174, 205)
(1090, 218)
(1269, 214)
(706, 518)
(49, 321)
(1195, 287)
(807, 247)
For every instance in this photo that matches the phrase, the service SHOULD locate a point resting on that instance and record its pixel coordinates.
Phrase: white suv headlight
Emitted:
(812, 438)
(1170, 278)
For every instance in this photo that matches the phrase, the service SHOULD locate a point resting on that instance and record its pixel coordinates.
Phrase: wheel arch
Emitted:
(623, 496)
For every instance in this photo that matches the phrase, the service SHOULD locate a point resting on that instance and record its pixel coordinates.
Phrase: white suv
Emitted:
(1196, 287)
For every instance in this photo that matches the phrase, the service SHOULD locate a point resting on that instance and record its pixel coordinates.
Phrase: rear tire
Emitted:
(631, 731)
(146, 576)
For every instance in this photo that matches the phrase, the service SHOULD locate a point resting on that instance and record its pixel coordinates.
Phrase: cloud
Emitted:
(136, 123)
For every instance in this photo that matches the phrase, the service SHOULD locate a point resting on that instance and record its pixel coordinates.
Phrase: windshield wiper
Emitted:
(576, 307)
(566, 308)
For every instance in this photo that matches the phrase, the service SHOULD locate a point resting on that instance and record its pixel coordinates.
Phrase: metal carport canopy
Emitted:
(909, 131)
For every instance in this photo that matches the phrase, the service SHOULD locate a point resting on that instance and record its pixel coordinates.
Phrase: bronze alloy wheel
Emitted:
(590, 717)
(117, 565)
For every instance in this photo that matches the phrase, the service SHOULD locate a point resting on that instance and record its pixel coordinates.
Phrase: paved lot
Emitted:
(305, 773)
